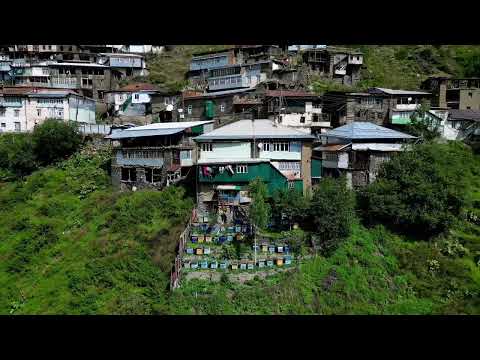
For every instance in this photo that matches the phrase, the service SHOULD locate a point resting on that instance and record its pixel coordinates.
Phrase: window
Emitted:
(186, 154)
(17, 126)
(289, 165)
(222, 107)
(281, 146)
(378, 101)
(207, 147)
(379, 115)
(470, 94)
(2, 112)
(241, 169)
(39, 112)
(189, 109)
(16, 113)
(315, 118)
(129, 174)
(291, 185)
(302, 120)
(266, 146)
(3, 125)
(468, 107)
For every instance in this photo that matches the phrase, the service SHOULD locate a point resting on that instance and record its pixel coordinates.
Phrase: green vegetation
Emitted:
(70, 245)
(259, 211)
(289, 206)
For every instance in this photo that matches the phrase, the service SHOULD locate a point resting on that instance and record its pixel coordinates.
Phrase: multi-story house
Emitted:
(23, 108)
(155, 155)
(338, 64)
(356, 150)
(129, 65)
(231, 156)
(131, 100)
(454, 93)
(379, 105)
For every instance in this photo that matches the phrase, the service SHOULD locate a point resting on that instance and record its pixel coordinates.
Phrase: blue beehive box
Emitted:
(194, 265)
(222, 239)
(255, 247)
(189, 250)
(229, 238)
(223, 265)
(204, 264)
(243, 266)
(238, 228)
(269, 262)
(271, 249)
(287, 249)
(214, 265)
(194, 238)
(230, 229)
(280, 249)
(206, 251)
(250, 266)
(288, 260)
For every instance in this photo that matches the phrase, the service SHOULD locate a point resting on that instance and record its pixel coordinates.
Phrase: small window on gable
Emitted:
(137, 96)
(241, 169)
(207, 147)
(302, 120)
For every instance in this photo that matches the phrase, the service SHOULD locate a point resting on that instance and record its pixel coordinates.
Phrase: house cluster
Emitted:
(67, 82)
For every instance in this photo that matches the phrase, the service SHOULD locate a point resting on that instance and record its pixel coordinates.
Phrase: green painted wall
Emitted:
(316, 167)
(397, 120)
(272, 177)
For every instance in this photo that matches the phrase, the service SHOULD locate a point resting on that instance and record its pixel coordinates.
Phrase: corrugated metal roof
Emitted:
(454, 114)
(248, 129)
(171, 125)
(366, 130)
(137, 87)
(231, 161)
(332, 148)
(218, 93)
(125, 134)
(399, 92)
(289, 93)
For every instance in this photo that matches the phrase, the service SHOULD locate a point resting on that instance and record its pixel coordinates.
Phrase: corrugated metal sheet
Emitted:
(377, 147)
(125, 134)
(366, 130)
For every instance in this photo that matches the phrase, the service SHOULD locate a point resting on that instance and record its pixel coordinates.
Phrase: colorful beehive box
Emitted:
(244, 229)
(255, 247)
(194, 265)
(279, 262)
(204, 264)
(243, 266)
(231, 229)
(229, 238)
(234, 266)
(199, 251)
(288, 260)
(206, 251)
(264, 247)
(269, 262)
(208, 239)
(189, 250)
(223, 265)
(250, 266)
(287, 249)
(222, 229)
(238, 229)
(222, 239)
(194, 238)
(201, 238)
(280, 249)
(271, 249)
(261, 263)
(214, 265)
(239, 237)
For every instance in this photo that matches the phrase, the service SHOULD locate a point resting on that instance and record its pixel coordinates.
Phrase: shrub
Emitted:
(55, 140)
(332, 211)
(17, 157)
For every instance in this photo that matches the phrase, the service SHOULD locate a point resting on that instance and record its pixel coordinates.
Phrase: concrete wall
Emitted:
(227, 150)
(472, 101)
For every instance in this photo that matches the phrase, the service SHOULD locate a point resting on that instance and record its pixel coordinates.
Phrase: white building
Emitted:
(23, 108)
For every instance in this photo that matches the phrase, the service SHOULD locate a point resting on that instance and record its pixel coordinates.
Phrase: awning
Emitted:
(228, 187)
(377, 147)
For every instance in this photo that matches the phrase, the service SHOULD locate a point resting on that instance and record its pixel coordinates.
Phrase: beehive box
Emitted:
(194, 238)
(250, 266)
(261, 264)
(223, 265)
(201, 238)
(204, 264)
(264, 247)
(214, 265)
(243, 266)
(206, 251)
(189, 250)
(234, 266)
(186, 265)
(208, 239)
(238, 229)
(288, 260)
(199, 251)
(269, 262)
(279, 262)
(280, 249)
(229, 238)
(194, 265)
(271, 249)
(230, 229)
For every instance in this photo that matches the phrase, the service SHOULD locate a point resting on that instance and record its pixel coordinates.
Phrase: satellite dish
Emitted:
(180, 110)
(169, 107)
(409, 99)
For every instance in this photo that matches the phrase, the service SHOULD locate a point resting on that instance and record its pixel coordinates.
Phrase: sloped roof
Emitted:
(138, 87)
(289, 93)
(248, 129)
(473, 115)
(160, 129)
(398, 92)
(366, 130)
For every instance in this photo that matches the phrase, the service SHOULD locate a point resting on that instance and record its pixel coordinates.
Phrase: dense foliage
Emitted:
(17, 158)
(289, 206)
(420, 192)
(71, 245)
(259, 211)
(332, 211)
(55, 140)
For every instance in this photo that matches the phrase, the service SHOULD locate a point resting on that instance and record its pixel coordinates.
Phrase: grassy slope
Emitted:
(70, 245)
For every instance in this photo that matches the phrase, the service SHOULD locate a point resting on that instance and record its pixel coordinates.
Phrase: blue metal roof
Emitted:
(366, 130)
(125, 134)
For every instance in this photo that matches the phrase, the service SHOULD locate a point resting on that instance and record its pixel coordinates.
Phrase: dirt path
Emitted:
(238, 277)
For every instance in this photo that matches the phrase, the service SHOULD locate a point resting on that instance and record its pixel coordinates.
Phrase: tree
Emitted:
(333, 211)
(17, 158)
(290, 205)
(419, 192)
(259, 211)
(55, 140)
(423, 124)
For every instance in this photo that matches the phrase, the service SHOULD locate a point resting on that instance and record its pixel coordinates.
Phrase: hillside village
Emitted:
(250, 125)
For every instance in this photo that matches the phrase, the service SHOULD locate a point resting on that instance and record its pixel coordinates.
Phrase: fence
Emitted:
(175, 275)
(89, 129)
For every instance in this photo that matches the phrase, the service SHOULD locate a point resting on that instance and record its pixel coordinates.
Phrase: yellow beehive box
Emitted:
(279, 262)
(199, 251)
(234, 266)
(264, 248)
(201, 238)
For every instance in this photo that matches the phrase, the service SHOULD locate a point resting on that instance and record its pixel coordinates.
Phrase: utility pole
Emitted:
(254, 227)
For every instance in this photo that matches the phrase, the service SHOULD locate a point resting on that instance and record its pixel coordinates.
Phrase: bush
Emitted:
(419, 192)
(289, 206)
(332, 211)
(17, 157)
(55, 140)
